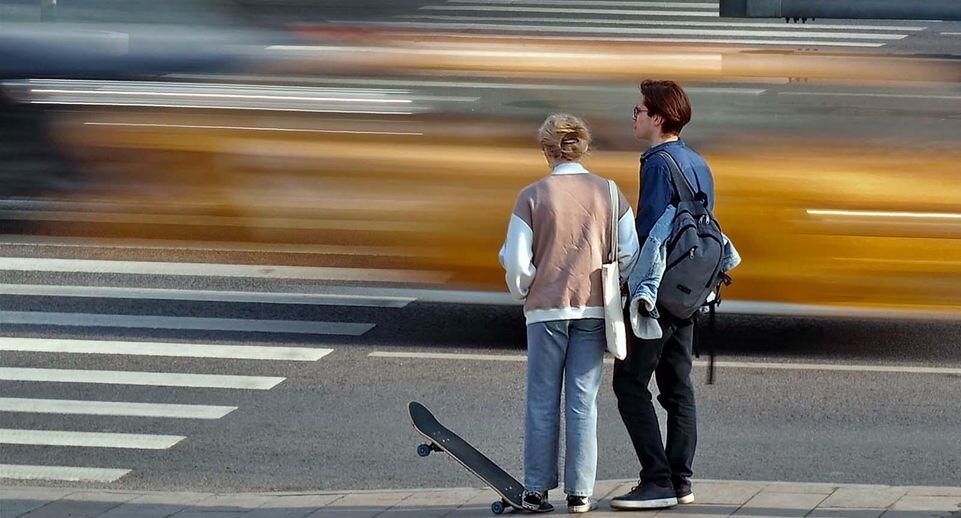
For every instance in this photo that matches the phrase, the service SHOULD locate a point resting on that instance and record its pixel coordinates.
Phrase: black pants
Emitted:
(669, 359)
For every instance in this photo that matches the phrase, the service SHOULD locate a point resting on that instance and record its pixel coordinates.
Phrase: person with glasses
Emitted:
(662, 110)
(558, 236)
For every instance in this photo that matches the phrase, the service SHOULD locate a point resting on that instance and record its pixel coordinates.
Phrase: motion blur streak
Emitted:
(836, 173)
(294, 130)
(878, 214)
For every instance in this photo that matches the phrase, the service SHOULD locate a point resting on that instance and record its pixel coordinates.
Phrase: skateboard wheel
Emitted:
(423, 450)
(497, 507)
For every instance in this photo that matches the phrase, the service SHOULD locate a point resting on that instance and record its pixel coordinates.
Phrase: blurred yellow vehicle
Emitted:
(842, 193)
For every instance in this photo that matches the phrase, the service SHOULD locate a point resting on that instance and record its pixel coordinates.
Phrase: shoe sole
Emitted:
(660, 503)
(686, 499)
(578, 509)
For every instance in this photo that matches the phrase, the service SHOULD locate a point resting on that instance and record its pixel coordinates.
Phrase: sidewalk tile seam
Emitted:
(818, 505)
(38, 508)
(395, 504)
(742, 504)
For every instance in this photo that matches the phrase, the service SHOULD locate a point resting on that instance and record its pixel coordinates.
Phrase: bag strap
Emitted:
(615, 205)
(678, 178)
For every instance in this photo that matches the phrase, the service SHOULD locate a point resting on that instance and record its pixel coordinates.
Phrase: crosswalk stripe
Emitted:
(704, 41)
(64, 473)
(88, 439)
(43, 318)
(112, 408)
(519, 9)
(658, 31)
(322, 299)
(154, 379)
(597, 3)
(185, 350)
(35, 264)
(672, 23)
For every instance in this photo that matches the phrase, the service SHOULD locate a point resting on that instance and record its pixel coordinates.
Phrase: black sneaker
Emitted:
(536, 501)
(580, 504)
(684, 493)
(646, 495)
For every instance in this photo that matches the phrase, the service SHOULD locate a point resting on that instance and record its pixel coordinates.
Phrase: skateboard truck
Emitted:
(425, 449)
(499, 507)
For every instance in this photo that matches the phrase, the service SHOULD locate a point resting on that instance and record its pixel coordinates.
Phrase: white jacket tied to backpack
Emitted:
(645, 279)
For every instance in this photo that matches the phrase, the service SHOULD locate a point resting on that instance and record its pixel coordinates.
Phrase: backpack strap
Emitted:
(678, 178)
(615, 206)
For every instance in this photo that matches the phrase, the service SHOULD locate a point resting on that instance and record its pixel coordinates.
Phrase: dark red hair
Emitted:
(668, 100)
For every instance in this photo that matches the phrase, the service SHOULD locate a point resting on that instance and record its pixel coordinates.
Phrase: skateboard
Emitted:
(441, 439)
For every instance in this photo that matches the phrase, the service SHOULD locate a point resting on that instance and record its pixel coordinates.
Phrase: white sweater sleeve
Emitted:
(517, 255)
(628, 247)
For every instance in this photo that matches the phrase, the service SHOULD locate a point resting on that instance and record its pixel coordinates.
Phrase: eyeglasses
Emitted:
(638, 111)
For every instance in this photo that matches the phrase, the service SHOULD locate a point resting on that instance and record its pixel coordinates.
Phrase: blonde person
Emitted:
(557, 238)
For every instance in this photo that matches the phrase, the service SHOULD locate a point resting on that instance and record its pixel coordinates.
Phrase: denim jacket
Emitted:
(657, 189)
(646, 276)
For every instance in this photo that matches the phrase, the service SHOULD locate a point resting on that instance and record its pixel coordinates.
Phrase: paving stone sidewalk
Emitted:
(715, 498)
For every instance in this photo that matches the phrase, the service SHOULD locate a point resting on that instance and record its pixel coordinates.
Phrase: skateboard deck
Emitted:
(442, 439)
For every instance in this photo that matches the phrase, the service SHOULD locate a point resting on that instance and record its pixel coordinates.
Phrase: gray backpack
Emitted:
(695, 248)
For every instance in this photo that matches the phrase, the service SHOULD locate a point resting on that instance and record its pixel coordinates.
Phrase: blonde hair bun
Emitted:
(564, 137)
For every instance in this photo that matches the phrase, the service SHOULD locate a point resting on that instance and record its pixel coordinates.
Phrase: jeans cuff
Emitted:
(547, 487)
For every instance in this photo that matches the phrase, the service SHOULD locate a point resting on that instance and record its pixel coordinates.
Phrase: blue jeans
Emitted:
(559, 349)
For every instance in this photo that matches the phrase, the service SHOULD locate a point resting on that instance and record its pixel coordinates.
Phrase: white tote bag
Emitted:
(614, 329)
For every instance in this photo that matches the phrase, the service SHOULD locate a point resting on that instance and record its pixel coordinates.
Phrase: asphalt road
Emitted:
(339, 422)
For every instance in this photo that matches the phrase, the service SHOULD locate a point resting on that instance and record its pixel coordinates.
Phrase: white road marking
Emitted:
(247, 128)
(951, 34)
(322, 299)
(747, 307)
(657, 31)
(66, 102)
(88, 439)
(33, 264)
(671, 23)
(518, 9)
(834, 367)
(154, 379)
(183, 350)
(494, 298)
(450, 356)
(154, 93)
(713, 41)
(43, 318)
(64, 473)
(880, 96)
(600, 3)
(698, 363)
(112, 408)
